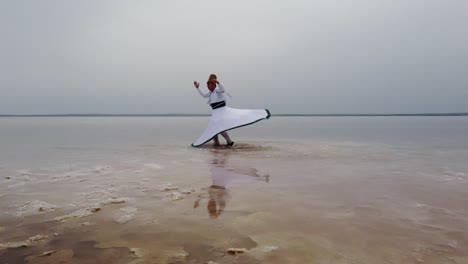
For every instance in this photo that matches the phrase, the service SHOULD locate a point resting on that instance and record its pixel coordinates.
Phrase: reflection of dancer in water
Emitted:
(224, 118)
(218, 194)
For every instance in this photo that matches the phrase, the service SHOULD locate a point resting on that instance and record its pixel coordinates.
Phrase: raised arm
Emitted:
(197, 85)
(220, 88)
(207, 94)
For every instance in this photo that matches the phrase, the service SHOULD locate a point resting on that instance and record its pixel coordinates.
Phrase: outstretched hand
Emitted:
(196, 84)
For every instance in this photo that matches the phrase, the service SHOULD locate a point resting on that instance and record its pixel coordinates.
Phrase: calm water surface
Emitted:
(25, 139)
(292, 190)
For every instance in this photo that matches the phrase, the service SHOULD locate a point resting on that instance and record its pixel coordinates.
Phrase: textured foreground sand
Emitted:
(259, 202)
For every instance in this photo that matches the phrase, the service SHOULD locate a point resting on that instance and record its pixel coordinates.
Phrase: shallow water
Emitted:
(292, 190)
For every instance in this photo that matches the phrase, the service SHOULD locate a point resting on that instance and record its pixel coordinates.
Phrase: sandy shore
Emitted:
(259, 202)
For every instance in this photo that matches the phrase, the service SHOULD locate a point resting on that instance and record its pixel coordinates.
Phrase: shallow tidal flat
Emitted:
(259, 202)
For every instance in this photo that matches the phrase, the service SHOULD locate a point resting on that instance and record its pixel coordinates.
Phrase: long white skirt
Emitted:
(226, 118)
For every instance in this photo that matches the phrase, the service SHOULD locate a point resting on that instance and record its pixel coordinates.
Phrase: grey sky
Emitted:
(325, 56)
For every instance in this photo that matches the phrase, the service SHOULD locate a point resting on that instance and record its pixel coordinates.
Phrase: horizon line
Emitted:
(195, 115)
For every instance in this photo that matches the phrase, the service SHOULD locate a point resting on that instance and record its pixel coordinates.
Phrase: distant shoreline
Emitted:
(200, 115)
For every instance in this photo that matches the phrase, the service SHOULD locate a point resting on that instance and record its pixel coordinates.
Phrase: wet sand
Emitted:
(258, 202)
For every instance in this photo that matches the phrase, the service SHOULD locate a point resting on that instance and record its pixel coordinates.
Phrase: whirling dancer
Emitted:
(224, 118)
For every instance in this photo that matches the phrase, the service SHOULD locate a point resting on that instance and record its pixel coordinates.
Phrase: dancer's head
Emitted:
(211, 83)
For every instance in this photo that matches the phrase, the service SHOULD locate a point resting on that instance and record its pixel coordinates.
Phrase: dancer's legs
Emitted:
(227, 138)
(216, 140)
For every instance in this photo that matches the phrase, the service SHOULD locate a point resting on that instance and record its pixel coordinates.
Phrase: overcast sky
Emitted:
(324, 56)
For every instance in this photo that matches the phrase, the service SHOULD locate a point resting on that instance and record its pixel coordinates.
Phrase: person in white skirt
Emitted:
(224, 118)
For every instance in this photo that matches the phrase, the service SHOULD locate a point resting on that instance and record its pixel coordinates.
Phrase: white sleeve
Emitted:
(202, 93)
(220, 88)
